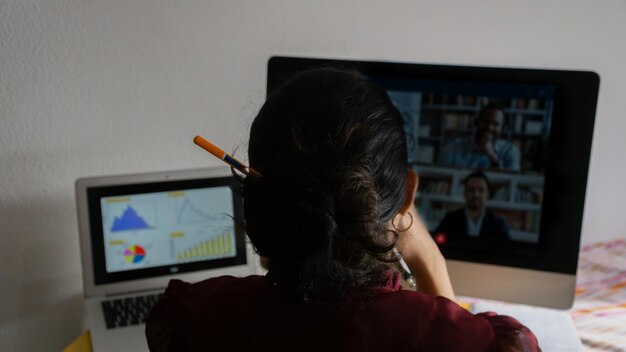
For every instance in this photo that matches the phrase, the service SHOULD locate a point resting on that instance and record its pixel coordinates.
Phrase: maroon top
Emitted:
(253, 314)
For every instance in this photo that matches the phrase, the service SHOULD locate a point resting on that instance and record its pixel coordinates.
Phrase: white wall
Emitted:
(91, 87)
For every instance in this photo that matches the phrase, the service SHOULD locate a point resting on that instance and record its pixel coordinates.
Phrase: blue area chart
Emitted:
(130, 220)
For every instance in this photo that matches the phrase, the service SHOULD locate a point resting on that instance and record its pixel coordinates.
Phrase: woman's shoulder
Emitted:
(182, 297)
(185, 305)
(454, 323)
(223, 281)
(215, 286)
(442, 324)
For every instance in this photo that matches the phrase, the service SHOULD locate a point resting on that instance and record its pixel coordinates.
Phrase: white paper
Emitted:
(554, 329)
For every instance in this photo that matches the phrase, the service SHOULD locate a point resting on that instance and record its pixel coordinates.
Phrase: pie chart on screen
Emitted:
(134, 254)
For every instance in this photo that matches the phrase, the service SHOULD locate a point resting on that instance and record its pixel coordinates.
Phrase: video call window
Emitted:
(480, 150)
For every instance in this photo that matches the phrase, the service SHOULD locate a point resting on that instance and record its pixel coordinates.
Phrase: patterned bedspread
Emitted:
(599, 310)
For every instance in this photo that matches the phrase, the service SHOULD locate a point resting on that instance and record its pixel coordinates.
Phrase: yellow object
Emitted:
(217, 246)
(118, 200)
(81, 344)
(467, 306)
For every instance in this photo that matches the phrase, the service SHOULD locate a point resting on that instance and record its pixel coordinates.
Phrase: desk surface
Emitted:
(599, 310)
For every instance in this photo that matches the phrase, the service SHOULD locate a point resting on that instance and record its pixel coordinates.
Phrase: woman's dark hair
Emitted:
(332, 151)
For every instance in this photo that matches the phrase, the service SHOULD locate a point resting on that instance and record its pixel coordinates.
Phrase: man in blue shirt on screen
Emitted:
(483, 149)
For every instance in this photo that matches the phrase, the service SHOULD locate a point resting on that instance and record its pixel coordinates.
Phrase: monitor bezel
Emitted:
(575, 99)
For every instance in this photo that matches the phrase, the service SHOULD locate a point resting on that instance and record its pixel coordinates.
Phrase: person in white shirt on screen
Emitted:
(484, 149)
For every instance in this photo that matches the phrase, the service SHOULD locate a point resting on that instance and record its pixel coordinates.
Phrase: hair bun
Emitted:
(332, 150)
(289, 212)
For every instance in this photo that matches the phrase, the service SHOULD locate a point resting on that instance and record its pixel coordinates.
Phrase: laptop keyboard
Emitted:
(128, 311)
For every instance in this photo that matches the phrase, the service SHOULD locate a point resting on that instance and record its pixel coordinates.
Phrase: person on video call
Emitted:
(474, 220)
(335, 198)
(484, 149)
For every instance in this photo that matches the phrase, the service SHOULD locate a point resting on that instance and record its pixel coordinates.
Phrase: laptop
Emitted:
(137, 232)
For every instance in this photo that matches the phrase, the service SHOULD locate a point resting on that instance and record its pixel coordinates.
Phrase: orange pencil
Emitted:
(219, 153)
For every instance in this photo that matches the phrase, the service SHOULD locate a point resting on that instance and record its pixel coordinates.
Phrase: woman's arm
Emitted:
(423, 257)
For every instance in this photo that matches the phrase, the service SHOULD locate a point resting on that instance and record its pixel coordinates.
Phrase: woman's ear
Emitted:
(411, 189)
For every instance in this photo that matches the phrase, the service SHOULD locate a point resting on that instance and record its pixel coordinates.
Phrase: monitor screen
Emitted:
(480, 151)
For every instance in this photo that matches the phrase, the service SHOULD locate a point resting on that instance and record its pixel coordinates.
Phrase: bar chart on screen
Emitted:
(201, 247)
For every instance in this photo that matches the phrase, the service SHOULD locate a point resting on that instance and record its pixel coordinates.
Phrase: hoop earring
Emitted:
(402, 230)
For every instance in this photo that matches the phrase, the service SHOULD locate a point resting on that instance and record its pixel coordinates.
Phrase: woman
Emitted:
(335, 199)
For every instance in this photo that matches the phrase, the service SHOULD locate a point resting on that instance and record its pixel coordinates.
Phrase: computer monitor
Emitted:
(502, 155)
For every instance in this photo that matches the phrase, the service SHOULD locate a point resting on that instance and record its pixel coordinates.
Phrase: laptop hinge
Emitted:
(130, 293)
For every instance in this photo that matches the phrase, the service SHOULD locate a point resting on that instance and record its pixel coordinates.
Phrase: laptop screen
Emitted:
(167, 228)
(150, 229)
